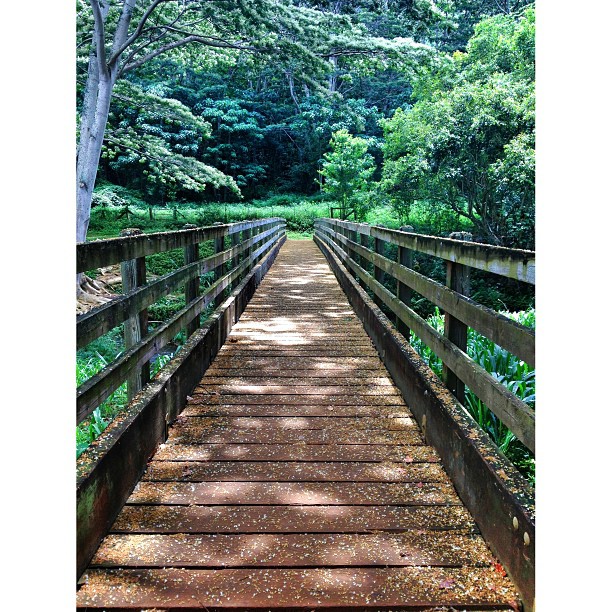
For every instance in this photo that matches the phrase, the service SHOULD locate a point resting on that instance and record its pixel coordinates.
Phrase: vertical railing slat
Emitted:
(457, 279)
(133, 275)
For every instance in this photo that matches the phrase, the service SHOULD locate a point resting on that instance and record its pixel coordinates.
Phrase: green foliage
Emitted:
(513, 373)
(154, 140)
(346, 172)
(300, 212)
(468, 142)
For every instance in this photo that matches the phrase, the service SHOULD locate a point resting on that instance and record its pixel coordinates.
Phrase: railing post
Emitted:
(457, 279)
(379, 246)
(219, 242)
(364, 241)
(192, 287)
(405, 257)
(352, 235)
(235, 241)
(133, 275)
(254, 232)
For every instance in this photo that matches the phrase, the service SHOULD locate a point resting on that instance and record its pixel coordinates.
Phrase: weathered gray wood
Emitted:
(505, 332)
(218, 246)
(134, 275)
(514, 413)
(192, 287)
(99, 253)
(458, 280)
(106, 475)
(499, 498)
(99, 387)
(405, 257)
(379, 246)
(102, 319)
(511, 263)
(235, 241)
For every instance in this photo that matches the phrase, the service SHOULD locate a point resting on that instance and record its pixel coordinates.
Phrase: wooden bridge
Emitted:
(297, 453)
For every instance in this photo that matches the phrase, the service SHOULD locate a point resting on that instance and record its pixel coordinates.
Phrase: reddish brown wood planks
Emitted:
(296, 478)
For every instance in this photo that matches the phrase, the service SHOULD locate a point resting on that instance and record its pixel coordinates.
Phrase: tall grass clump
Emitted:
(91, 360)
(509, 370)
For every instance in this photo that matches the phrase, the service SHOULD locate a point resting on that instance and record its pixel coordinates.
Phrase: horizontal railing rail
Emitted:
(349, 241)
(250, 241)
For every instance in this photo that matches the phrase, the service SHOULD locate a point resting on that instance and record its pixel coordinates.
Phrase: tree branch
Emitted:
(137, 32)
(99, 37)
(184, 41)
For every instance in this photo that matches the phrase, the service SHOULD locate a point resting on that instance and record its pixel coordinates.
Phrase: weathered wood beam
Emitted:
(102, 319)
(99, 253)
(507, 333)
(513, 412)
(511, 263)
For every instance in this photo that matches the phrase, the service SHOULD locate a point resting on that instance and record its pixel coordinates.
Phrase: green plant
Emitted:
(513, 373)
(89, 363)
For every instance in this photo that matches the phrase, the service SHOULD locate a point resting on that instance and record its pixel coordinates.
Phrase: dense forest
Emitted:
(396, 111)
(392, 112)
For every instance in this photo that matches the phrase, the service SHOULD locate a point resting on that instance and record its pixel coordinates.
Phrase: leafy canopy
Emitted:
(346, 170)
(468, 141)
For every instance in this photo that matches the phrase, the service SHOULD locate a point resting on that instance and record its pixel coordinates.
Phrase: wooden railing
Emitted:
(351, 244)
(249, 242)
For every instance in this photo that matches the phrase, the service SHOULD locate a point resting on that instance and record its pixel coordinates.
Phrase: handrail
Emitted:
(511, 263)
(461, 311)
(250, 241)
(100, 253)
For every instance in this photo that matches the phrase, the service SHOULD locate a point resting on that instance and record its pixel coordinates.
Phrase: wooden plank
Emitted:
(294, 494)
(405, 258)
(240, 379)
(290, 519)
(215, 435)
(446, 549)
(292, 471)
(301, 390)
(100, 253)
(457, 280)
(213, 399)
(369, 452)
(511, 263)
(341, 375)
(347, 365)
(505, 332)
(403, 423)
(192, 287)
(296, 410)
(514, 413)
(134, 275)
(400, 588)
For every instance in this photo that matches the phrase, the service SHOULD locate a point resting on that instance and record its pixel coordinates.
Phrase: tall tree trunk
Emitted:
(93, 124)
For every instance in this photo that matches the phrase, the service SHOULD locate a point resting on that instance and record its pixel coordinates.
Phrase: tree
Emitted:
(468, 140)
(346, 172)
(124, 35)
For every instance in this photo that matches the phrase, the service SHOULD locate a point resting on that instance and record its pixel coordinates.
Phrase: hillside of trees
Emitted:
(409, 111)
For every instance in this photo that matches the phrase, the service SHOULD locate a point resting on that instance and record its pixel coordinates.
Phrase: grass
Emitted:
(109, 217)
(513, 373)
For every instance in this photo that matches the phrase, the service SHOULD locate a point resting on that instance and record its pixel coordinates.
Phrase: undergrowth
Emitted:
(509, 370)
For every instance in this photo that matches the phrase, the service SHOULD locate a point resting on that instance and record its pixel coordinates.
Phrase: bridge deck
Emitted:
(296, 478)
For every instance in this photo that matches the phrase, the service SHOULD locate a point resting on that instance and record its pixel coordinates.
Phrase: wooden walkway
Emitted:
(296, 478)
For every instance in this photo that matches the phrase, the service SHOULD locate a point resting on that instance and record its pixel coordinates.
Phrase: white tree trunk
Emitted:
(93, 124)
